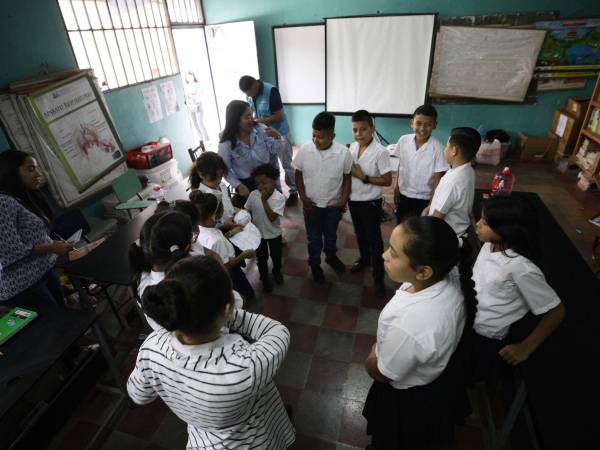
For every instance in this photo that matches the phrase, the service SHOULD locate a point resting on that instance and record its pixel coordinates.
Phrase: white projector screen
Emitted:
(296, 49)
(378, 63)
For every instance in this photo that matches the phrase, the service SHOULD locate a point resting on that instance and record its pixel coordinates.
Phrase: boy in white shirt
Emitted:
(453, 197)
(266, 204)
(421, 164)
(371, 171)
(323, 181)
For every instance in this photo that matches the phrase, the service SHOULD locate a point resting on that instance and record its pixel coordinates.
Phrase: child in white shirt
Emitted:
(421, 164)
(414, 364)
(219, 384)
(323, 181)
(266, 204)
(509, 285)
(371, 171)
(453, 196)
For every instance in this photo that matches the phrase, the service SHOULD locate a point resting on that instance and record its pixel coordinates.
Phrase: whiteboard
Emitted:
(489, 63)
(378, 63)
(300, 63)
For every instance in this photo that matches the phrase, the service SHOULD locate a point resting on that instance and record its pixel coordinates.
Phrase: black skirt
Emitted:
(421, 417)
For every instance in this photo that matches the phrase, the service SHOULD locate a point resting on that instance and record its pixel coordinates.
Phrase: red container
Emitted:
(160, 153)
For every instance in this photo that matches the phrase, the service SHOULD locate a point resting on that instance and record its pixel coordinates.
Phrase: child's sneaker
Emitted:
(318, 274)
(278, 277)
(335, 263)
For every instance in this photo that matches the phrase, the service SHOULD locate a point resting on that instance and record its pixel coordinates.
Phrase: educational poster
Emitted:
(570, 42)
(78, 130)
(152, 104)
(170, 97)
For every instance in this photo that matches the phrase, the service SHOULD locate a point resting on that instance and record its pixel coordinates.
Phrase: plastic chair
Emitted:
(195, 152)
(127, 186)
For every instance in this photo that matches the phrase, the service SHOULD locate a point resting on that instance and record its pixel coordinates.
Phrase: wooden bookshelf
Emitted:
(592, 171)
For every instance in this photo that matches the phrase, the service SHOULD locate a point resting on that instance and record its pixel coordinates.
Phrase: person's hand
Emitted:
(396, 197)
(272, 132)
(243, 190)
(307, 203)
(249, 254)
(515, 353)
(235, 230)
(357, 171)
(61, 247)
(425, 211)
(338, 205)
(265, 194)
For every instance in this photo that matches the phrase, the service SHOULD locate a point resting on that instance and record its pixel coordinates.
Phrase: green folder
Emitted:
(14, 321)
(136, 204)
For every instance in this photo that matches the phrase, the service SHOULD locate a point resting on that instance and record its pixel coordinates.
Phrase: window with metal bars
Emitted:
(126, 41)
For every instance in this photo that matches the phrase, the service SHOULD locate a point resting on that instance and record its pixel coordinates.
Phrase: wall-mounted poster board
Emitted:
(378, 63)
(487, 63)
(300, 63)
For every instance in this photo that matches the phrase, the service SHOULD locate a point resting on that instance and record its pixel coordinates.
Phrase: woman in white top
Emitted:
(509, 285)
(414, 363)
(219, 384)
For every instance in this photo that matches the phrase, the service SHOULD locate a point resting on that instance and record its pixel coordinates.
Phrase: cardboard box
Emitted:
(536, 147)
(566, 128)
(577, 106)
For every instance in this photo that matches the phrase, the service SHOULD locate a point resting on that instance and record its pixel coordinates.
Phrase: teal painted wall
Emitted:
(33, 33)
(534, 119)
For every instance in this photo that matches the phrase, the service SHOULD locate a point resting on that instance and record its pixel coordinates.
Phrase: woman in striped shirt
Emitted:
(219, 384)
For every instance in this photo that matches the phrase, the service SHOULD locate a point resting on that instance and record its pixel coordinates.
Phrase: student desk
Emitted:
(33, 351)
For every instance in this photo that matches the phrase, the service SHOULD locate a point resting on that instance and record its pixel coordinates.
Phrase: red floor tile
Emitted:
(300, 238)
(327, 376)
(353, 278)
(341, 317)
(314, 291)
(294, 266)
(353, 430)
(362, 347)
(278, 307)
(370, 300)
(350, 241)
(143, 421)
(303, 337)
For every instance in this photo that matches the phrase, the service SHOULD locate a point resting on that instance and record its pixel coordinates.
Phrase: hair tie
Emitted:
(173, 248)
(137, 242)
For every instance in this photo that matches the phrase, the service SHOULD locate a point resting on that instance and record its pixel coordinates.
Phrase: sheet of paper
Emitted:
(152, 104)
(75, 237)
(75, 254)
(562, 124)
(170, 97)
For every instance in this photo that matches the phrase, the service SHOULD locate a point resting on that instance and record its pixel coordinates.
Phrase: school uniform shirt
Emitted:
(223, 389)
(323, 171)
(214, 239)
(197, 249)
(150, 279)
(268, 229)
(374, 162)
(222, 195)
(508, 285)
(417, 333)
(417, 167)
(454, 197)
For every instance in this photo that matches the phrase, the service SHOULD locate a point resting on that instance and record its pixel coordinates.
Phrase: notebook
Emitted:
(14, 321)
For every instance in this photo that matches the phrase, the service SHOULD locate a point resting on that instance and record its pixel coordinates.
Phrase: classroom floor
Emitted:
(332, 327)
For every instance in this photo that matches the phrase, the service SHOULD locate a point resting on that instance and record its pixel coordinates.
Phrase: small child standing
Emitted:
(371, 171)
(509, 285)
(454, 195)
(323, 181)
(266, 204)
(219, 384)
(421, 164)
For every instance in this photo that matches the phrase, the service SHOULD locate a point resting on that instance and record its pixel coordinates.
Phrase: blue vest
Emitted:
(262, 108)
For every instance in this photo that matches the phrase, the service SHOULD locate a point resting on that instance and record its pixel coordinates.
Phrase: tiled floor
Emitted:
(332, 327)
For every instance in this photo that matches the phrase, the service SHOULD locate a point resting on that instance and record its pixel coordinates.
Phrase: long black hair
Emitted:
(233, 113)
(208, 163)
(191, 297)
(11, 184)
(515, 221)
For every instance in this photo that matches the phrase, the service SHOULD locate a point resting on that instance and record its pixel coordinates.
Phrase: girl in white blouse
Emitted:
(509, 285)
(219, 384)
(414, 362)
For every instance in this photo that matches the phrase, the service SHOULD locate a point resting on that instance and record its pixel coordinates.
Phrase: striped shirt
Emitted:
(224, 389)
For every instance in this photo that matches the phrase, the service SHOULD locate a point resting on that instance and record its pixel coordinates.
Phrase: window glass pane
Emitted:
(144, 57)
(163, 14)
(104, 14)
(156, 13)
(160, 62)
(185, 8)
(147, 8)
(107, 63)
(92, 12)
(79, 50)
(171, 47)
(126, 56)
(177, 9)
(81, 15)
(94, 58)
(164, 50)
(151, 55)
(133, 52)
(139, 10)
(114, 13)
(199, 11)
(192, 7)
(117, 60)
(68, 15)
(124, 11)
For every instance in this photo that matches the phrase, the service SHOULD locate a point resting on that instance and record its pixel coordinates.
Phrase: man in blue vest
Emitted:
(265, 102)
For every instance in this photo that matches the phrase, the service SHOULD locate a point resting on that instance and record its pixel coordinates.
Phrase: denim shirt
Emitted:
(242, 159)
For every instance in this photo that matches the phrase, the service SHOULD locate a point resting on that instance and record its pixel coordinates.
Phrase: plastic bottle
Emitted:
(157, 193)
(503, 183)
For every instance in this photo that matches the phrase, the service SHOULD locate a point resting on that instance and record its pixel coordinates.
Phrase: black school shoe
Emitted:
(318, 274)
(278, 277)
(335, 263)
(359, 265)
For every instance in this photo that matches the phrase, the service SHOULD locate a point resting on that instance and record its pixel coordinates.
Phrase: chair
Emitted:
(195, 152)
(127, 186)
